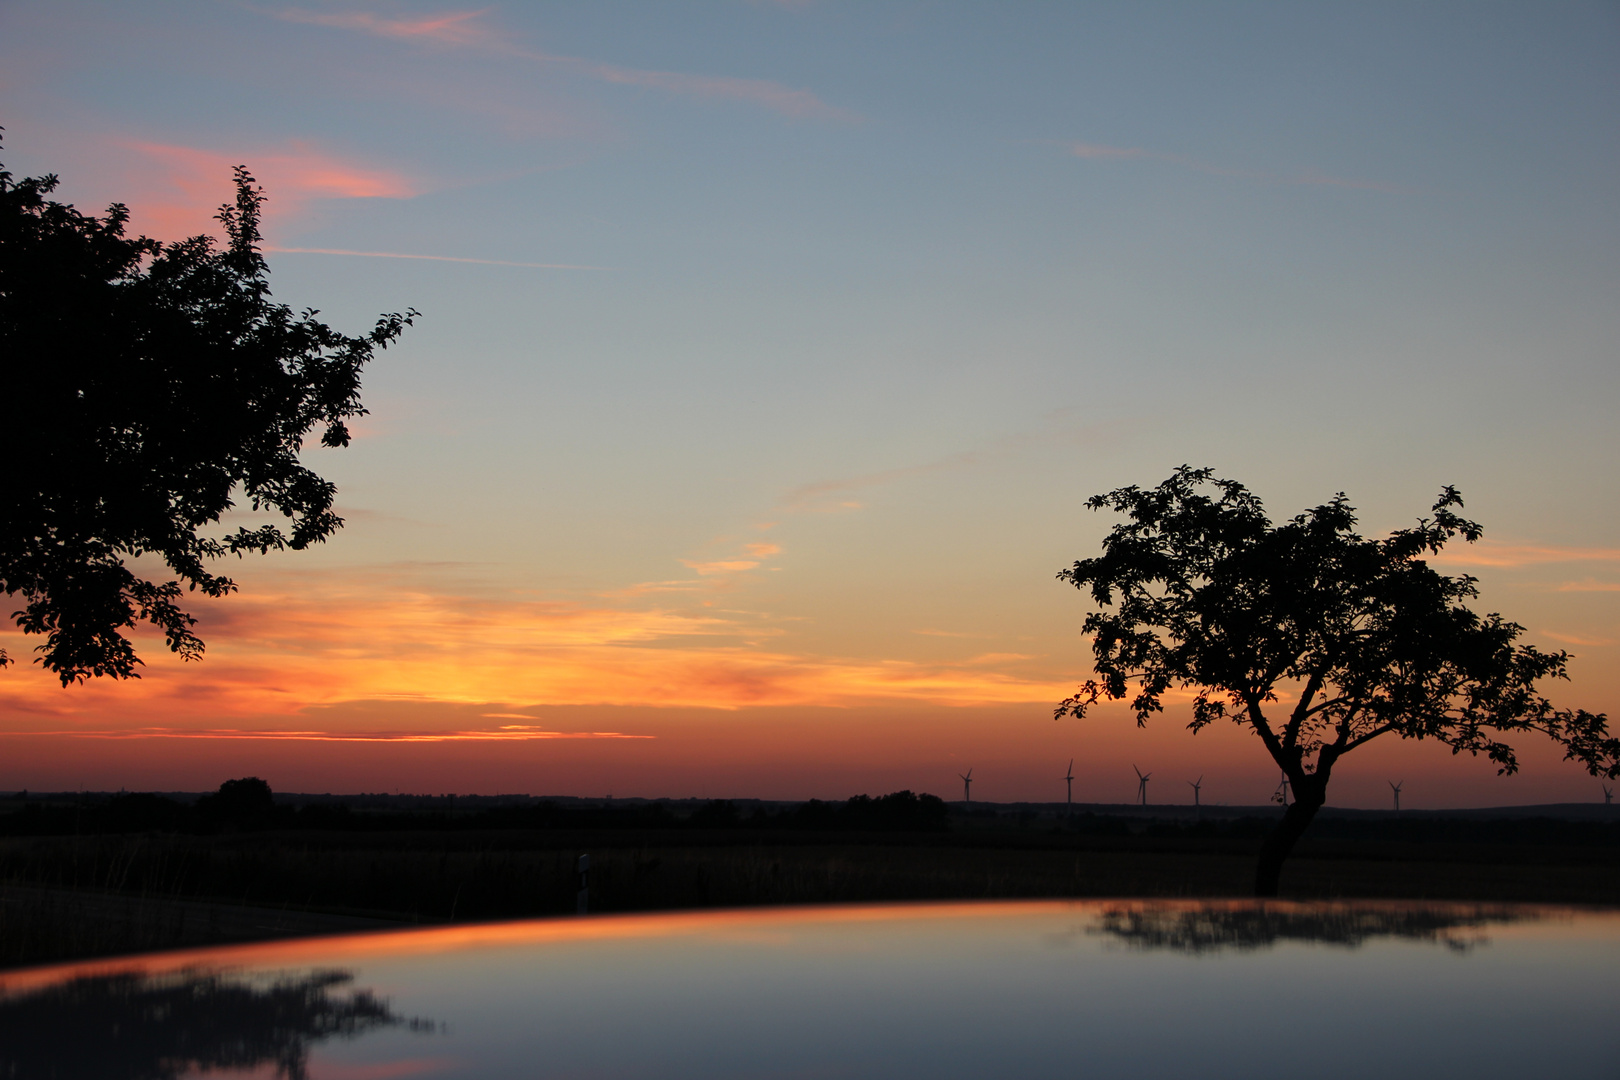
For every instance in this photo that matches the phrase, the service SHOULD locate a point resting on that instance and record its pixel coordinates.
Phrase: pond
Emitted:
(1133, 989)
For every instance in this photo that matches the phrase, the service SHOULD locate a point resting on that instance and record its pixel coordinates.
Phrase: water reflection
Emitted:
(1212, 927)
(1146, 989)
(135, 1026)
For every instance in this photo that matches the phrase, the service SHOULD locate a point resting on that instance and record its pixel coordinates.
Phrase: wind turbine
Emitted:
(1195, 785)
(1608, 795)
(1282, 790)
(967, 786)
(1070, 779)
(1396, 788)
(1141, 783)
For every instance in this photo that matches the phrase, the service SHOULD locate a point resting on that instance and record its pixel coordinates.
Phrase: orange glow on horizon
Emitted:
(288, 644)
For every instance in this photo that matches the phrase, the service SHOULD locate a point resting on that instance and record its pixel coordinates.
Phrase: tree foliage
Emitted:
(1315, 638)
(153, 387)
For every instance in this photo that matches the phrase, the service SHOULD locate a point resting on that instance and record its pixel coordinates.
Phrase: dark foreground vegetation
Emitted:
(100, 875)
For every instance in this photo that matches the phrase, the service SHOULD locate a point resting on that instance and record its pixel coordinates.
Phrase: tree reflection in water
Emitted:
(133, 1026)
(1211, 927)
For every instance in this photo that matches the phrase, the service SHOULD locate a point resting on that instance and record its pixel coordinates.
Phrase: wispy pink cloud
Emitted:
(175, 190)
(464, 29)
(452, 28)
(301, 170)
(1100, 152)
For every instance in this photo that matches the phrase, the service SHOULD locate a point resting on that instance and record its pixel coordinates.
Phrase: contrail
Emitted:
(432, 258)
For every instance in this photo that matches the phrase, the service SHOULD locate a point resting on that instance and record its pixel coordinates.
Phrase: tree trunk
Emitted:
(1268, 871)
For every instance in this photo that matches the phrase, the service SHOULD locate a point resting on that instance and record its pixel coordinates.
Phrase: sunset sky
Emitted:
(770, 350)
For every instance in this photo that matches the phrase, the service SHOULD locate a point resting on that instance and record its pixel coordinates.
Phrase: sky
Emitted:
(769, 352)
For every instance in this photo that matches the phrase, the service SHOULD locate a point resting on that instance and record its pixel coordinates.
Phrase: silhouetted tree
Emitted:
(1211, 927)
(152, 387)
(1204, 593)
(132, 1026)
(238, 802)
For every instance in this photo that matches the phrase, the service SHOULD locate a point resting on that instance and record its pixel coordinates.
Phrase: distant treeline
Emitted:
(248, 805)
(1545, 831)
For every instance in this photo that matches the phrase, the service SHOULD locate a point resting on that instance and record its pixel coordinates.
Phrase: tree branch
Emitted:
(1302, 710)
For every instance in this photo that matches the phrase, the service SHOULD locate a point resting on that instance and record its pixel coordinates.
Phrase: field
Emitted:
(65, 896)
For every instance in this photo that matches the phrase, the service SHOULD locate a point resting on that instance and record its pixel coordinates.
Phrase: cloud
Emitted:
(453, 28)
(771, 95)
(823, 496)
(758, 551)
(175, 190)
(433, 258)
(1490, 553)
(463, 29)
(1589, 585)
(1099, 152)
(721, 566)
(301, 170)
(506, 733)
(292, 642)
(1573, 639)
(650, 588)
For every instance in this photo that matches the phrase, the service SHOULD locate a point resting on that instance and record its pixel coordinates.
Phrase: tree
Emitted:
(1200, 592)
(152, 387)
(135, 1025)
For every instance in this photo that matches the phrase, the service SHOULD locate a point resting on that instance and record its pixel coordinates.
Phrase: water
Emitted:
(1092, 989)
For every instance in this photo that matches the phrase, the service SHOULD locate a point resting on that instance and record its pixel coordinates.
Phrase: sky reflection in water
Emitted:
(1094, 988)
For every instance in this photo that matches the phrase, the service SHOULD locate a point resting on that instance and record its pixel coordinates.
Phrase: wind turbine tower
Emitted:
(1282, 789)
(1141, 784)
(1069, 779)
(967, 786)
(1396, 788)
(1608, 795)
(1195, 785)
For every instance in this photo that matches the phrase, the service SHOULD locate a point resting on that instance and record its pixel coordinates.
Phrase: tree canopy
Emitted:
(1315, 638)
(153, 387)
